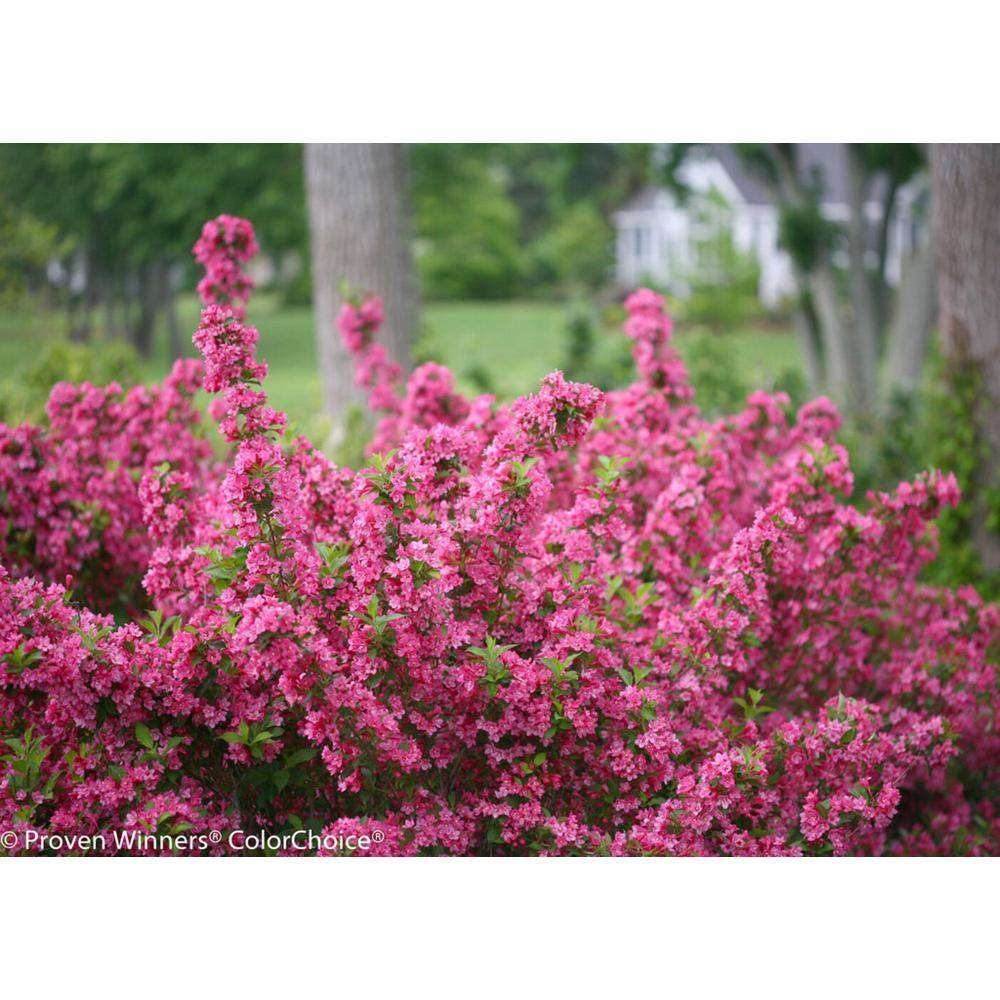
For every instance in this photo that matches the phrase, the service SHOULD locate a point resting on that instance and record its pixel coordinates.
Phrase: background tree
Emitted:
(26, 247)
(501, 220)
(129, 214)
(967, 208)
(360, 237)
(846, 326)
(468, 227)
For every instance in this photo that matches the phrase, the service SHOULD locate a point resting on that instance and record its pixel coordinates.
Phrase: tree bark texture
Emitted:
(359, 228)
(967, 209)
(915, 313)
(807, 326)
(863, 332)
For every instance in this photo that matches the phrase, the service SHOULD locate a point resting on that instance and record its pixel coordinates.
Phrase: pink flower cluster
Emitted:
(226, 243)
(578, 624)
(70, 509)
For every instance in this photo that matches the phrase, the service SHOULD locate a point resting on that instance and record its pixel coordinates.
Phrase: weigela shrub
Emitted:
(577, 624)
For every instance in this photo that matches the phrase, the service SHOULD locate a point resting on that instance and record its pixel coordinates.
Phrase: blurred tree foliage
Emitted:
(490, 220)
(493, 220)
(466, 225)
(26, 247)
(127, 214)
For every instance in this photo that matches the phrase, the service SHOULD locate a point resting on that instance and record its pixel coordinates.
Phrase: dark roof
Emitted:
(829, 159)
(822, 162)
(643, 199)
(826, 162)
(753, 189)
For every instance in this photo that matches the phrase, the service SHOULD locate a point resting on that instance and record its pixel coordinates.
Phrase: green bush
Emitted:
(719, 387)
(953, 443)
(583, 360)
(723, 285)
(468, 235)
(576, 251)
(100, 362)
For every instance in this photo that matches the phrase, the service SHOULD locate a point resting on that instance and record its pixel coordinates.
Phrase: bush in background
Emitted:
(99, 362)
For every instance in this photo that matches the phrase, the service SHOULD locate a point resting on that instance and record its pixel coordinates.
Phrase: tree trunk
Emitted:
(81, 330)
(910, 335)
(847, 363)
(108, 283)
(880, 285)
(142, 334)
(359, 226)
(168, 303)
(807, 326)
(967, 209)
(129, 286)
(840, 364)
(863, 334)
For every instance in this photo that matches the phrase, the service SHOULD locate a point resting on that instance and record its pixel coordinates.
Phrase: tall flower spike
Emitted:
(226, 243)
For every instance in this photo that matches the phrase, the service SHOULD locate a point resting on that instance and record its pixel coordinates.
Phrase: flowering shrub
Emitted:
(578, 624)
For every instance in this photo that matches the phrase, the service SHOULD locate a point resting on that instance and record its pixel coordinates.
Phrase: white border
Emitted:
(525, 70)
(514, 72)
(502, 928)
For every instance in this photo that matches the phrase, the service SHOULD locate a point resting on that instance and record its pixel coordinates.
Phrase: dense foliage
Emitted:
(509, 219)
(117, 217)
(581, 623)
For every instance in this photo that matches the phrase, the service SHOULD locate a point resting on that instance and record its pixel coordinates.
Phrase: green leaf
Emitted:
(625, 675)
(143, 735)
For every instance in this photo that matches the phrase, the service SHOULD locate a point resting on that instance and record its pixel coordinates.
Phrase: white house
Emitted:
(657, 235)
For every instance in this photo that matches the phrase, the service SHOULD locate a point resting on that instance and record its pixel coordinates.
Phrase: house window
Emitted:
(642, 242)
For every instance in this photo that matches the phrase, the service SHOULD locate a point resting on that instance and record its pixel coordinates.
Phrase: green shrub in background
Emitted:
(26, 246)
(723, 284)
(350, 449)
(576, 252)
(793, 383)
(606, 364)
(719, 386)
(297, 291)
(952, 443)
(468, 244)
(100, 362)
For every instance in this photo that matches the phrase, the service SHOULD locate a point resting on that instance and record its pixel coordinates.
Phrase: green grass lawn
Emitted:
(514, 343)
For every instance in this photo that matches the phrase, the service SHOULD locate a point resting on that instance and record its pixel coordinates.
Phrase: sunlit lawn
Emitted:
(513, 343)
